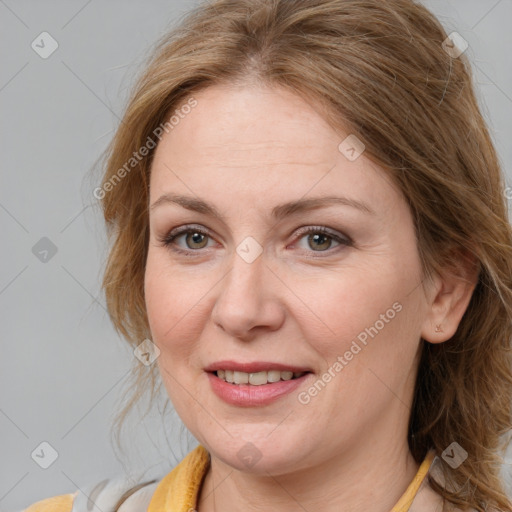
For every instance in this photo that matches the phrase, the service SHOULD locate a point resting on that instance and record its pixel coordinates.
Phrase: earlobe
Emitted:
(450, 297)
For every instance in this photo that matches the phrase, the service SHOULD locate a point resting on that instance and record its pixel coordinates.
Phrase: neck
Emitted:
(367, 477)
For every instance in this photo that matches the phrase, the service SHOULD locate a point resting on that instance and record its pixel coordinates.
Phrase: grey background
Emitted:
(62, 366)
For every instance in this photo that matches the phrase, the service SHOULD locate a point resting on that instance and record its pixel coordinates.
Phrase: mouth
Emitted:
(255, 384)
(260, 378)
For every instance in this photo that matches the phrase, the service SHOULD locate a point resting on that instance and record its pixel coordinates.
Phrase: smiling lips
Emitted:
(254, 367)
(256, 373)
(253, 384)
(257, 378)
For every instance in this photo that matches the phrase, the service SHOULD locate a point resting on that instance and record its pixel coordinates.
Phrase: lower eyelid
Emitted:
(338, 240)
(169, 240)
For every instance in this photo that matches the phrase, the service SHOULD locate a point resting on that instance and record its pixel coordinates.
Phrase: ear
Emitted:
(449, 297)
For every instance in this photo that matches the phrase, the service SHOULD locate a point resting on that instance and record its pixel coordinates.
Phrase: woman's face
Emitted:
(346, 304)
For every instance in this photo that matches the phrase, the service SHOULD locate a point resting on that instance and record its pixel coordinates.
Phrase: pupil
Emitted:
(196, 237)
(317, 237)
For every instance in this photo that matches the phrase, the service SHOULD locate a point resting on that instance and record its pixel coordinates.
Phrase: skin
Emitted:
(245, 150)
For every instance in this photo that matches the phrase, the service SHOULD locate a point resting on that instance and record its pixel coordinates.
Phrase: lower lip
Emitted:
(247, 395)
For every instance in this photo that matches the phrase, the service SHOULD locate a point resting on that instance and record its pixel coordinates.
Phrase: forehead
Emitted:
(234, 123)
(264, 143)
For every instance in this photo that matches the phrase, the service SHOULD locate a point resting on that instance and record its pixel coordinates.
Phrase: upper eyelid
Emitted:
(299, 232)
(190, 227)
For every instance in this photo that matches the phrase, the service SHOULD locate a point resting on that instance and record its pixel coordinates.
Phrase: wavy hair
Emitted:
(380, 70)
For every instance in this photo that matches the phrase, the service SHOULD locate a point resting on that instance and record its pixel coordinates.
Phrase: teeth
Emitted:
(257, 378)
(241, 378)
(273, 376)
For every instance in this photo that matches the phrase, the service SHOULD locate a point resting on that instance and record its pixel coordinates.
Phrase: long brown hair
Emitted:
(381, 71)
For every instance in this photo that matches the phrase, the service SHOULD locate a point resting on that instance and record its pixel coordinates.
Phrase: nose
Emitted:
(248, 299)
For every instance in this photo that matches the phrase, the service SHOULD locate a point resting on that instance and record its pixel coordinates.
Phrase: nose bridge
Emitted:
(245, 298)
(245, 282)
(247, 267)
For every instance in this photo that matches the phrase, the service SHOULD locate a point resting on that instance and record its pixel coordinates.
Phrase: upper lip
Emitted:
(254, 367)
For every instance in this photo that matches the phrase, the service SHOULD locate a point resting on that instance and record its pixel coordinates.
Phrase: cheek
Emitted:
(337, 308)
(369, 317)
(174, 302)
(364, 328)
(172, 309)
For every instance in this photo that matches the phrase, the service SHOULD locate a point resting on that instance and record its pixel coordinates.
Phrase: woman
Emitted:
(310, 233)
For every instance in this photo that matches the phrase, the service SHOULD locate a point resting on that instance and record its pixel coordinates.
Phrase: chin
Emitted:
(261, 455)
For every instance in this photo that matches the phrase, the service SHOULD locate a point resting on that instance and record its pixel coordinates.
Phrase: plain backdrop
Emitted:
(62, 366)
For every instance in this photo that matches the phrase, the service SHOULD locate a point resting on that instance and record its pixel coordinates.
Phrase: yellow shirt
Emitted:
(178, 491)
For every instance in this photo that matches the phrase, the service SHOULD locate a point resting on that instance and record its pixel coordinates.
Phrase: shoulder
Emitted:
(427, 499)
(112, 495)
(62, 503)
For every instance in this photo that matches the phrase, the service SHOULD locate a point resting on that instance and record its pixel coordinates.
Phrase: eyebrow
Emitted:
(278, 212)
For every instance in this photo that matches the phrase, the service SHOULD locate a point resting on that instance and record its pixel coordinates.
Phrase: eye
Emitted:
(194, 237)
(321, 238)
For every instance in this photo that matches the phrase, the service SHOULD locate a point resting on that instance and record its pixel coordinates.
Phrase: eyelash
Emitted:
(168, 239)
